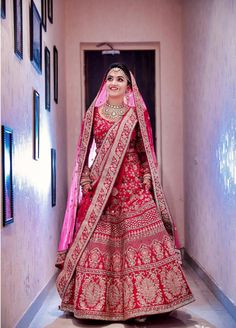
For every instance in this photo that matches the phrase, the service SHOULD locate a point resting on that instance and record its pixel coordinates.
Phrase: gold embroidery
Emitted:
(124, 270)
(158, 193)
(148, 289)
(92, 295)
(145, 254)
(101, 158)
(173, 282)
(131, 256)
(158, 250)
(99, 200)
(114, 295)
(94, 258)
(116, 262)
(128, 293)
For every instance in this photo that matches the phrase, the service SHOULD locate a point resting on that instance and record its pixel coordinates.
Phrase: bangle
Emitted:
(85, 178)
(85, 181)
(147, 176)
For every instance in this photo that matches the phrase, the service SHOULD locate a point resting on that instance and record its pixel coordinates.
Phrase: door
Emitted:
(140, 62)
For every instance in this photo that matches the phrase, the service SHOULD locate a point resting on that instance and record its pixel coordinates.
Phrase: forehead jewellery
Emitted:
(117, 69)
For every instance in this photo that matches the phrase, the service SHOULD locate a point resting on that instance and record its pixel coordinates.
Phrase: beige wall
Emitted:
(135, 21)
(29, 244)
(209, 135)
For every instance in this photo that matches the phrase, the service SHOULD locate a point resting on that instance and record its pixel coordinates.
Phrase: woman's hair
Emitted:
(123, 68)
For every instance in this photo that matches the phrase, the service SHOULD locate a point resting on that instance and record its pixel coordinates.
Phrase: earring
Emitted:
(127, 94)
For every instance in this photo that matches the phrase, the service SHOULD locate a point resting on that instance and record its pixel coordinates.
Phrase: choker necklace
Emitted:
(115, 106)
(113, 112)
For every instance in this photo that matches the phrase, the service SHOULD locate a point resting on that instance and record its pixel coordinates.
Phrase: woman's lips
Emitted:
(113, 88)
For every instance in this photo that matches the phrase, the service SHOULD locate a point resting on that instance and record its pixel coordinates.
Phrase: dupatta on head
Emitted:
(139, 114)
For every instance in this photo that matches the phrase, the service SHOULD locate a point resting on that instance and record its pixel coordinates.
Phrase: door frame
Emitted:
(131, 46)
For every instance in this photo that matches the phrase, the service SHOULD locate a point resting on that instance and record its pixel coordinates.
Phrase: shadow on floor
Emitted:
(177, 319)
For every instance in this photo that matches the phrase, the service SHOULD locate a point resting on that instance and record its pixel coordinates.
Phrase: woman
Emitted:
(117, 251)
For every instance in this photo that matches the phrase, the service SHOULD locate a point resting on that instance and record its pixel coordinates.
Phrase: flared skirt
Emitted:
(130, 266)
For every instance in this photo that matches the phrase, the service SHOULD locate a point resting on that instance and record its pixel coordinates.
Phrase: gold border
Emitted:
(101, 158)
(99, 200)
(131, 314)
(158, 192)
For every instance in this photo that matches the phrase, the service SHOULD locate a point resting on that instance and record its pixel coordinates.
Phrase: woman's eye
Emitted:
(120, 79)
(109, 78)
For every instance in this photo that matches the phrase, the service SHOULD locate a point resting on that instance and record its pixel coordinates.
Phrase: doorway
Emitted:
(140, 62)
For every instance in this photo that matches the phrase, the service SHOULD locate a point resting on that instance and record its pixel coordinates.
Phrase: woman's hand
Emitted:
(86, 188)
(147, 184)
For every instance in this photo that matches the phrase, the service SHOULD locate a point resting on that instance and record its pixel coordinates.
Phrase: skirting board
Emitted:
(30, 313)
(226, 302)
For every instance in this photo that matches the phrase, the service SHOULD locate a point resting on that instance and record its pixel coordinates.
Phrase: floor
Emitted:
(205, 312)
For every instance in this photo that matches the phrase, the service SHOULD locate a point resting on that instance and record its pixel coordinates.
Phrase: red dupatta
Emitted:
(106, 181)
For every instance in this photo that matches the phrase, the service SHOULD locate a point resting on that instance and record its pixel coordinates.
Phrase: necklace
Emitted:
(115, 106)
(113, 112)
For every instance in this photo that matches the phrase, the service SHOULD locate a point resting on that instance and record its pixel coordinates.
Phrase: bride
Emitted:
(117, 253)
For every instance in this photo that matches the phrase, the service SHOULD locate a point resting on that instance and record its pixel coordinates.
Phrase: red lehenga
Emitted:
(120, 261)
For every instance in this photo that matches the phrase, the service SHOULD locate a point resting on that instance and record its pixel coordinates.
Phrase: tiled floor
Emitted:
(205, 312)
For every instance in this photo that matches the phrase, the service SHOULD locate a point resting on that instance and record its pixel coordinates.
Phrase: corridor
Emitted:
(165, 133)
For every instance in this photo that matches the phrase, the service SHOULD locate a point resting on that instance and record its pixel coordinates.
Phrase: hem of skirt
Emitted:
(117, 317)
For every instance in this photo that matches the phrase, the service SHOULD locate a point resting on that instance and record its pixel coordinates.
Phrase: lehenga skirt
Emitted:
(129, 267)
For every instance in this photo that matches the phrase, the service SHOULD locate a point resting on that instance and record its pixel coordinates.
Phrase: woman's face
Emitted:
(116, 83)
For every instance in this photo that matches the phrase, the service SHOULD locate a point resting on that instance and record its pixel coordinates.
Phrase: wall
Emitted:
(29, 244)
(209, 134)
(124, 22)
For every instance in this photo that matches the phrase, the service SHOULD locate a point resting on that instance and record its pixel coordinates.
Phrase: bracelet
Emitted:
(85, 178)
(87, 184)
(147, 176)
(85, 181)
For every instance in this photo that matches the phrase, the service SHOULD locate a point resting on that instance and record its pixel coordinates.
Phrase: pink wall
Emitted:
(209, 135)
(29, 244)
(136, 21)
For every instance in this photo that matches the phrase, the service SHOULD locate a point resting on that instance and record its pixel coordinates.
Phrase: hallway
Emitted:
(205, 312)
(45, 83)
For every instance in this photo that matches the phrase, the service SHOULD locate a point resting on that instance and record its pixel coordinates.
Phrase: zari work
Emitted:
(122, 263)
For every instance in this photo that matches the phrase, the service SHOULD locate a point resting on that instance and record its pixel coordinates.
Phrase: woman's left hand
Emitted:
(147, 184)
